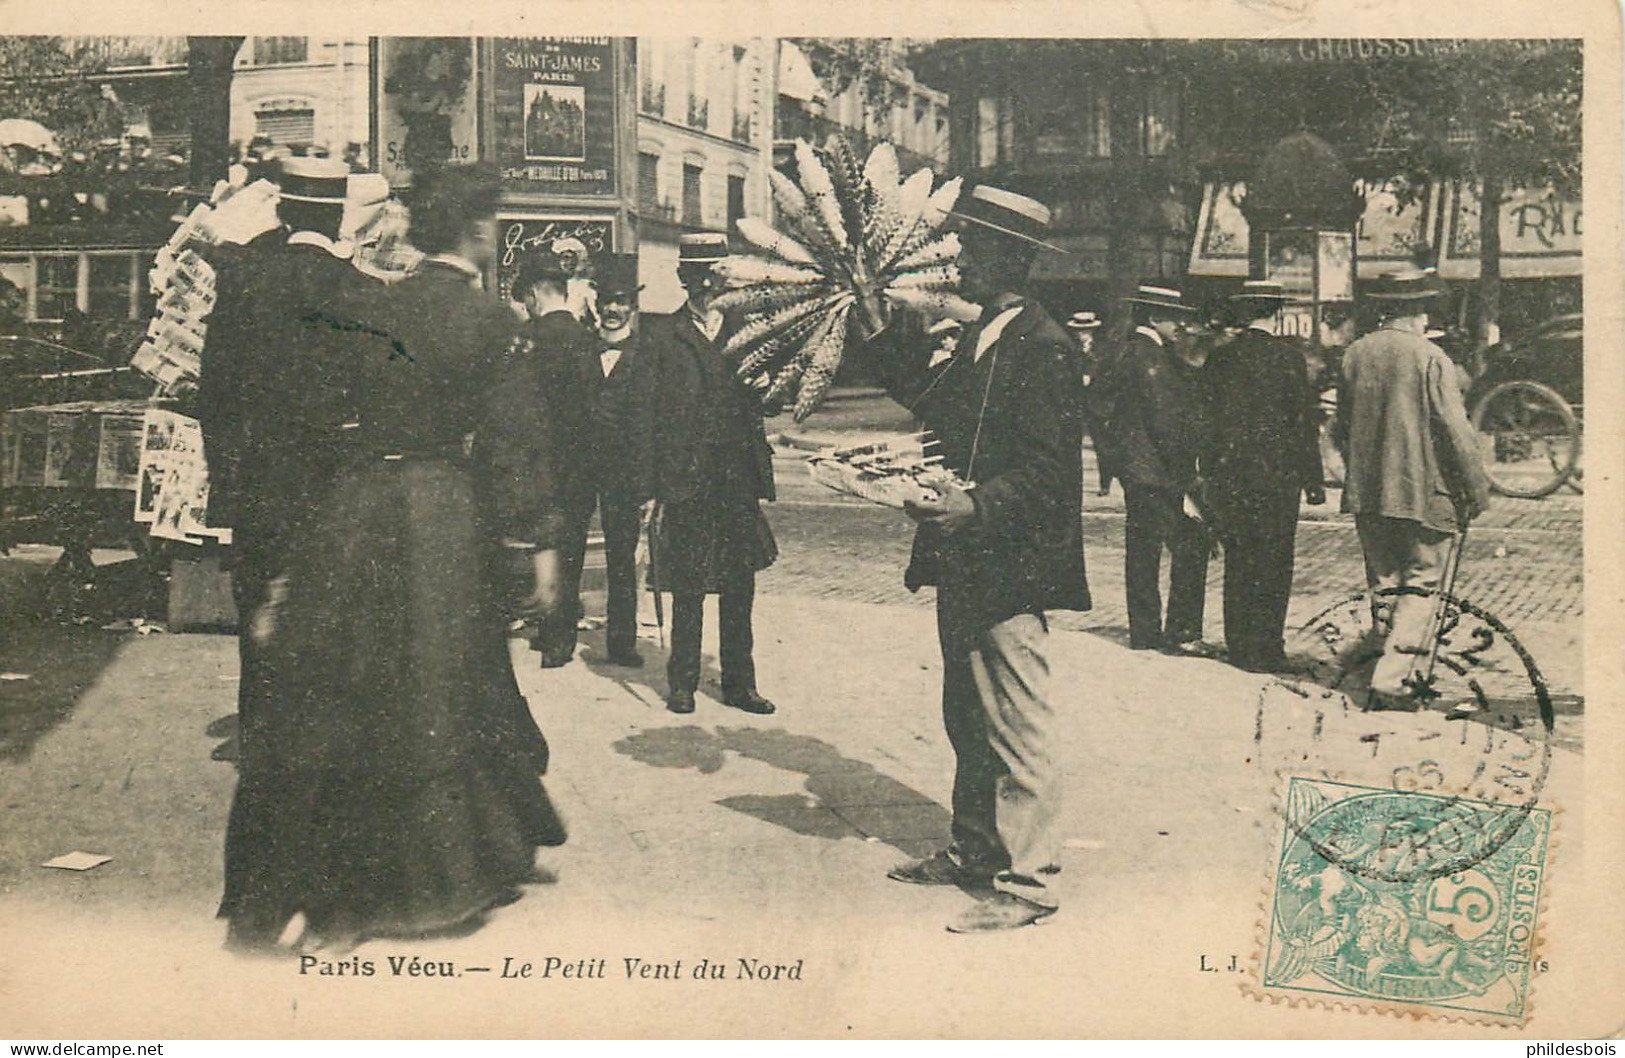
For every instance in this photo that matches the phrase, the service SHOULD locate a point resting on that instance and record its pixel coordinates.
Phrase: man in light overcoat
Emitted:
(1415, 475)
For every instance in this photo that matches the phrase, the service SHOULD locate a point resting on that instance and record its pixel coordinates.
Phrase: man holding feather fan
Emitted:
(862, 254)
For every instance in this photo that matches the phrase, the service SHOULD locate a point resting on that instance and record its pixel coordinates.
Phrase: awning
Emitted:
(1540, 235)
(796, 77)
(1386, 238)
(1540, 232)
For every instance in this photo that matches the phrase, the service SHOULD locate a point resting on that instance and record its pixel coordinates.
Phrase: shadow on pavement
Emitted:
(57, 658)
(845, 798)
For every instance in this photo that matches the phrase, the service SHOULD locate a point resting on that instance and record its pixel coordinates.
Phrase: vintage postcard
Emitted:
(694, 491)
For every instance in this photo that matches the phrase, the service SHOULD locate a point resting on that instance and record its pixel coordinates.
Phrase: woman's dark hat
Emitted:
(1160, 298)
(702, 247)
(617, 277)
(323, 180)
(1007, 213)
(537, 266)
(1413, 284)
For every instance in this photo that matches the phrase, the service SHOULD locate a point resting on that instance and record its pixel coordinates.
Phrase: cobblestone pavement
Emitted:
(1523, 564)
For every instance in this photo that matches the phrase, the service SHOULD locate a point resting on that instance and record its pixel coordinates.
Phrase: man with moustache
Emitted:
(614, 450)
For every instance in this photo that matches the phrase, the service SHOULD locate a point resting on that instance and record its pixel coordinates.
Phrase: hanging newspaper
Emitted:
(887, 470)
(184, 283)
(172, 495)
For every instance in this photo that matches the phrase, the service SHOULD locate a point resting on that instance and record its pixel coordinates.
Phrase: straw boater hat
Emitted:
(1083, 321)
(1260, 290)
(1411, 284)
(321, 180)
(1007, 213)
(702, 247)
(1160, 298)
(1255, 298)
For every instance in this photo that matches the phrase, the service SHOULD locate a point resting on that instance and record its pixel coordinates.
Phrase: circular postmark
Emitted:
(1470, 736)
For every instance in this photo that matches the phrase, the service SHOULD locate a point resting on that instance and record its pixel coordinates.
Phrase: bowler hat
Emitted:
(314, 180)
(1083, 321)
(1412, 284)
(617, 276)
(537, 266)
(702, 247)
(1007, 213)
(1160, 298)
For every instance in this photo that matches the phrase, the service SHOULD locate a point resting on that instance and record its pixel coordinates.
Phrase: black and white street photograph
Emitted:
(1067, 531)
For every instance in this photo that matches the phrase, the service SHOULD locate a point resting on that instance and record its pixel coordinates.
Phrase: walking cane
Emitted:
(1446, 589)
(654, 574)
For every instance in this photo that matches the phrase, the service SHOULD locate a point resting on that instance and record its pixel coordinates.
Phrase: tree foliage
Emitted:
(866, 64)
(51, 81)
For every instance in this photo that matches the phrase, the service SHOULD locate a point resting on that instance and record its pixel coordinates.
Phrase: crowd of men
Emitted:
(1207, 421)
(1209, 418)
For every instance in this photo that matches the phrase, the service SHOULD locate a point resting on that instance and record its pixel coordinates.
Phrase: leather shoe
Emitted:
(630, 659)
(1002, 912)
(748, 701)
(939, 868)
(680, 701)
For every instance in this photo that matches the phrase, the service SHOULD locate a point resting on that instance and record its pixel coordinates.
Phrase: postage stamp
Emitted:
(1405, 901)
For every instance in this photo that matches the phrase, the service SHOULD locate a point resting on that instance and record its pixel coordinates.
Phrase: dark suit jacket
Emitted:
(708, 430)
(619, 446)
(1264, 442)
(1158, 419)
(538, 416)
(1026, 551)
(272, 393)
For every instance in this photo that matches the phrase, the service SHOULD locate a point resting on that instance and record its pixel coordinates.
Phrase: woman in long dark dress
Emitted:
(392, 787)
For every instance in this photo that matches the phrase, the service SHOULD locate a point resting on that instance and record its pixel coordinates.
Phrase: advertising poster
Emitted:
(584, 238)
(553, 118)
(431, 76)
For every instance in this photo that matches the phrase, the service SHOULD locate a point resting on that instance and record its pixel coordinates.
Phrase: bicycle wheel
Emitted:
(1532, 438)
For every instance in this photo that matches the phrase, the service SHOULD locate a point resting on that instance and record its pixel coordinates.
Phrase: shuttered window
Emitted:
(648, 184)
(287, 127)
(691, 194)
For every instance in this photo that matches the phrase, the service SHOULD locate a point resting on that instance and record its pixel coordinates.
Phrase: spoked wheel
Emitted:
(1532, 438)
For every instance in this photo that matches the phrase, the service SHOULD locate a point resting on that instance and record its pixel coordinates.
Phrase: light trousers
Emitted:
(1007, 783)
(1405, 562)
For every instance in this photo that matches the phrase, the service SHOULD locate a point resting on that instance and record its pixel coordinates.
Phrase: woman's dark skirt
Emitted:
(390, 778)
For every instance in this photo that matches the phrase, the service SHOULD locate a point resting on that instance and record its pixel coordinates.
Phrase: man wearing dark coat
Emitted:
(1001, 551)
(279, 328)
(712, 467)
(389, 783)
(1155, 431)
(615, 449)
(1264, 452)
(560, 392)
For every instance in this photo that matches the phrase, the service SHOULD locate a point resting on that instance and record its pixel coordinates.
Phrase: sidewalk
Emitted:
(718, 836)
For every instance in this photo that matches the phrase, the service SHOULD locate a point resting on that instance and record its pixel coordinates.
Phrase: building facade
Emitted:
(704, 141)
(77, 242)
